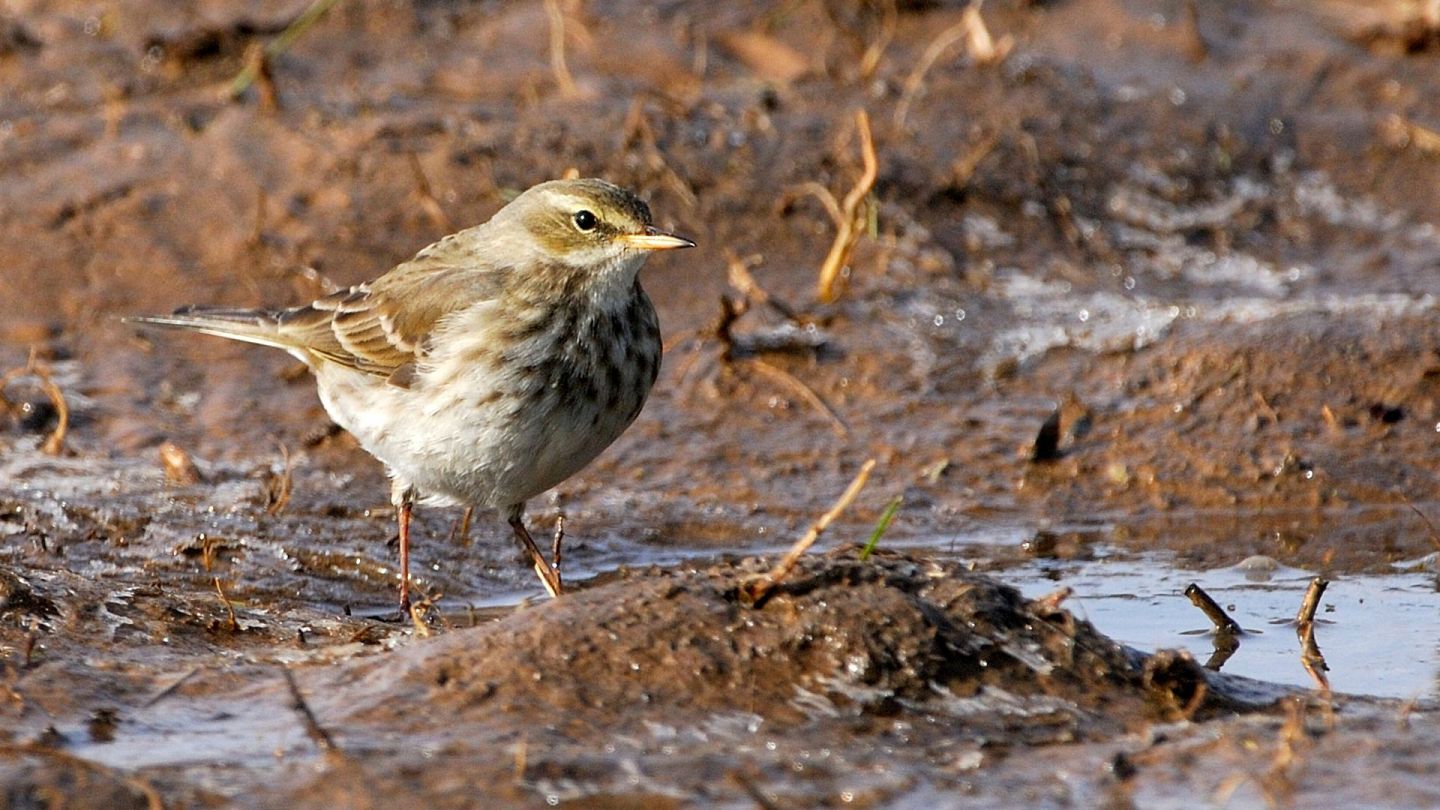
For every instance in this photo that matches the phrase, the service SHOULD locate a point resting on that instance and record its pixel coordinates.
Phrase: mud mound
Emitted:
(841, 638)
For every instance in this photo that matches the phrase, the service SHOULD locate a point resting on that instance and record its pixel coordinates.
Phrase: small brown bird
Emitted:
(492, 366)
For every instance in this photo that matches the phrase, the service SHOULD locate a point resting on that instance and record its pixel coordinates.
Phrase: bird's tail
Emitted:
(249, 325)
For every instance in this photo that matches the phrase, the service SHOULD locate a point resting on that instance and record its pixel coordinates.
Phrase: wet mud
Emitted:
(1144, 296)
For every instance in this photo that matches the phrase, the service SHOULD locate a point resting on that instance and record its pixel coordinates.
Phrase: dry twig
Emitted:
(313, 728)
(1310, 656)
(1212, 610)
(852, 218)
(170, 689)
(889, 20)
(257, 62)
(563, 80)
(426, 195)
(229, 608)
(278, 486)
(806, 393)
(1434, 535)
(1311, 602)
(980, 46)
(755, 592)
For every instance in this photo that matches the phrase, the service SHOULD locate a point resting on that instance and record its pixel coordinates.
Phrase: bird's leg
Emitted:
(461, 531)
(555, 543)
(406, 503)
(549, 577)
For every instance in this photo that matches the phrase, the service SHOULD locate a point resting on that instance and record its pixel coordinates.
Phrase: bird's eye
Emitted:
(585, 220)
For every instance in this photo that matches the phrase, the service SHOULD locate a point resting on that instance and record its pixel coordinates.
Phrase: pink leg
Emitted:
(404, 515)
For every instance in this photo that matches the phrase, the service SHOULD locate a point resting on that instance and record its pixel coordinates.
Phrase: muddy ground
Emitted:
(1201, 234)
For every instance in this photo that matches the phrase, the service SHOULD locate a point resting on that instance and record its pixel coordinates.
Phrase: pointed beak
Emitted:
(654, 239)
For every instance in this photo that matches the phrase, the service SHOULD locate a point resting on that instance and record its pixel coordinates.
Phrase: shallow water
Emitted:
(1377, 633)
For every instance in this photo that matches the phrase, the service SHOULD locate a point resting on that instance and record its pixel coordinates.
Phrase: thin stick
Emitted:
(1434, 535)
(806, 392)
(279, 45)
(981, 47)
(932, 53)
(278, 492)
(423, 191)
(230, 609)
(461, 530)
(757, 591)
(1212, 610)
(1311, 602)
(890, 17)
(819, 192)
(549, 577)
(881, 527)
(563, 79)
(1310, 656)
(316, 731)
(850, 228)
(169, 690)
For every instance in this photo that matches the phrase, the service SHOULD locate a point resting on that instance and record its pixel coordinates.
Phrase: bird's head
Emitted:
(590, 226)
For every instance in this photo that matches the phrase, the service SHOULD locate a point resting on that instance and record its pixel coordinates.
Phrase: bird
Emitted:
(492, 366)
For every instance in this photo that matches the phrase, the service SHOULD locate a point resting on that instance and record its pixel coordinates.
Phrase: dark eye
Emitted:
(585, 220)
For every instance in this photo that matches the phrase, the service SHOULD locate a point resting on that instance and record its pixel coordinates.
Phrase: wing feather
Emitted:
(382, 327)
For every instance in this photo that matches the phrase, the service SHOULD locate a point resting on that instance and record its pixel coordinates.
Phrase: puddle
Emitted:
(1377, 633)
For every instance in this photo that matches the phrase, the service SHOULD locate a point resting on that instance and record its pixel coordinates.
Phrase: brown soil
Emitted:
(1201, 232)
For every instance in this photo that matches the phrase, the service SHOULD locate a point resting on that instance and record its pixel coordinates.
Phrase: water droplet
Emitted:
(1084, 315)
(939, 320)
(1129, 282)
(959, 314)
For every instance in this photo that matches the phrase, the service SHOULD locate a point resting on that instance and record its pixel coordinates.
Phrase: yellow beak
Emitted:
(654, 239)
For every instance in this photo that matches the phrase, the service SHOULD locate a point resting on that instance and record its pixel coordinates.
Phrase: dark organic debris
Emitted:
(17, 596)
(1047, 441)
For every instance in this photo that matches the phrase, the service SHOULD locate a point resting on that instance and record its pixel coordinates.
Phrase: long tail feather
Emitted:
(249, 325)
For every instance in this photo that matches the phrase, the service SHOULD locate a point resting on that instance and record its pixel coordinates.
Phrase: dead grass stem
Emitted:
(852, 215)
(756, 591)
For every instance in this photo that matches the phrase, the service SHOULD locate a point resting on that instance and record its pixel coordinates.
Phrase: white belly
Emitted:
(471, 445)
